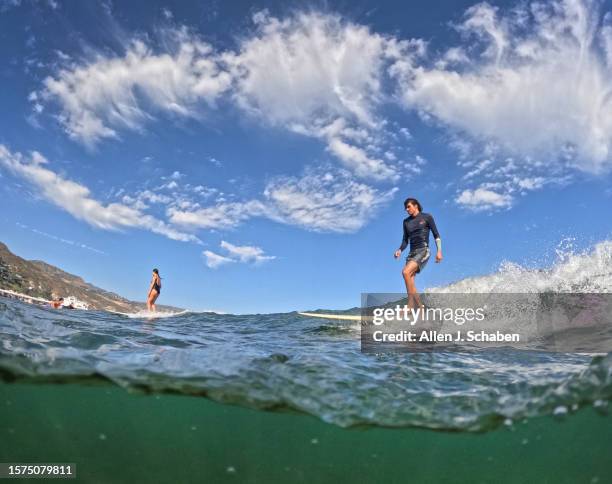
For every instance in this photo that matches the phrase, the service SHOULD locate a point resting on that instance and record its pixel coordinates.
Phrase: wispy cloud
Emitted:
(73, 243)
(321, 76)
(319, 200)
(482, 199)
(246, 253)
(76, 199)
(536, 79)
(532, 80)
(325, 201)
(226, 215)
(214, 260)
(503, 187)
(236, 253)
(312, 73)
(100, 97)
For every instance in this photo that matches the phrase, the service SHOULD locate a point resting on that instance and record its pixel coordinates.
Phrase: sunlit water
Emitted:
(278, 361)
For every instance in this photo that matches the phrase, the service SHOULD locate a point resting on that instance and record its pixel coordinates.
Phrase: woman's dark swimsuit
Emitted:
(156, 287)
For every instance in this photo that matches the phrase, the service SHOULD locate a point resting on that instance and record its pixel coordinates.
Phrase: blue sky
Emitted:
(258, 153)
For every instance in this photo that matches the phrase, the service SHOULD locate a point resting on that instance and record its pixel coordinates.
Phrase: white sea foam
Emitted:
(589, 271)
(157, 314)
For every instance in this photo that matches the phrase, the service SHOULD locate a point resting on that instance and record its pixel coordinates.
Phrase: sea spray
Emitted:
(585, 272)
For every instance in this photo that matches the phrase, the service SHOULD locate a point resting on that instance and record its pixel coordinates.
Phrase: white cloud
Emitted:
(525, 96)
(220, 216)
(329, 201)
(141, 200)
(99, 97)
(310, 71)
(308, 66)
(535, 79)
(155, 197)
(246, 253)
(538, 82)
(357, 159)
(489, 169)
(76, 199)
(236, 253)
(478, 169)
(214, 260)
(319, 200)
(482, 199)
(500, 186)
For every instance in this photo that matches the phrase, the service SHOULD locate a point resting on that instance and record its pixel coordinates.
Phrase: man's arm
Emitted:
(436, 234)
(398, 252)
(404, 238)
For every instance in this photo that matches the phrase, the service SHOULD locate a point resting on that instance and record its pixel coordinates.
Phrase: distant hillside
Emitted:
(39, 279)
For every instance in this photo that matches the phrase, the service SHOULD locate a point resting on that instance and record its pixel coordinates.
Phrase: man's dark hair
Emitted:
(414, 201)
(61, 299)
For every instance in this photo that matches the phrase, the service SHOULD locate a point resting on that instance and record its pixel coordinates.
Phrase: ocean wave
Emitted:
(286, 361)
(586, 272)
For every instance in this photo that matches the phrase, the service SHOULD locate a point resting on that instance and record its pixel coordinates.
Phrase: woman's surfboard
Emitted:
(346, 317)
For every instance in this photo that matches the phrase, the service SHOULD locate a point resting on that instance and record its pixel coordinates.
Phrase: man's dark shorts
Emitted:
(420, 256)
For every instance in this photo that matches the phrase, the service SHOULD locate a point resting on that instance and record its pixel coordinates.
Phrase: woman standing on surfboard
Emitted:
(416, 231)
(154, 290)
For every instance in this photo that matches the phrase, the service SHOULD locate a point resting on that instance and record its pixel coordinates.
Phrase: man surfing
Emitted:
(416, 231)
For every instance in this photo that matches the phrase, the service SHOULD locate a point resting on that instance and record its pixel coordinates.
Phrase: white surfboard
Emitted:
(346, 317)
(148, 315)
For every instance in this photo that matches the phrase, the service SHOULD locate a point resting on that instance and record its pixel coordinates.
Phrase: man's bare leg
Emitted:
(416, 297)
(409, 272)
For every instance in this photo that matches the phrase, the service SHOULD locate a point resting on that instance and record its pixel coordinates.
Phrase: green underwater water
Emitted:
(117, 436)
